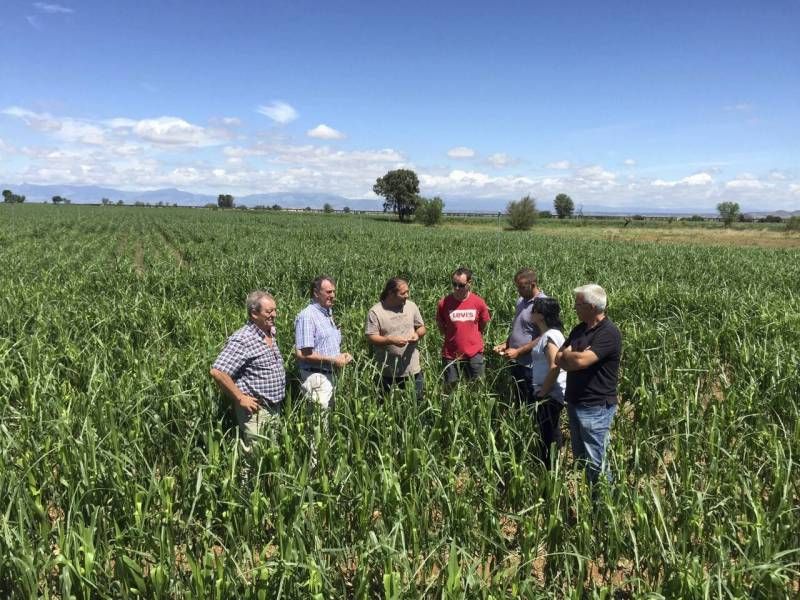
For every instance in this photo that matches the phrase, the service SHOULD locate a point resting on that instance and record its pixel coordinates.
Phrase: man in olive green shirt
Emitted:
(394, 327)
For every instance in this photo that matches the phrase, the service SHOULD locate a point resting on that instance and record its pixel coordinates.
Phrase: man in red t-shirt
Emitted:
(462, 316)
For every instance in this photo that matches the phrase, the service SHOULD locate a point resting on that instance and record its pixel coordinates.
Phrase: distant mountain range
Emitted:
(91, 194)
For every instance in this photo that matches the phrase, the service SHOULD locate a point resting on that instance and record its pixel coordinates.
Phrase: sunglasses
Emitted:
(459, 286)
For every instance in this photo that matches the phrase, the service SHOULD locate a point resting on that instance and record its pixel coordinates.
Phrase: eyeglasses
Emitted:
(459, 286)
(579, 304)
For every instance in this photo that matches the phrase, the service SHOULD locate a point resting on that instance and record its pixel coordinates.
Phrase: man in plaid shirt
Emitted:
(249, 370)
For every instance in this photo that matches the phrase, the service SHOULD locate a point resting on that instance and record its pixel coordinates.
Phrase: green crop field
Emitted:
(120, 475)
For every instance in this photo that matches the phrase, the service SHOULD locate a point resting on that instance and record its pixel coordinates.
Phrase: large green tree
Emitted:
(728, 212)
(564, 206)
(225, 201)
(400, 188)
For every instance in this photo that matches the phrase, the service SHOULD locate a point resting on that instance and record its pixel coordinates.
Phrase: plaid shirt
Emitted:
(255, 366)
(314, 328)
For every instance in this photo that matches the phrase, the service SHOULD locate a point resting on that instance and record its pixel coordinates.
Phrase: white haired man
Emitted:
(591, 356)
(249, 370)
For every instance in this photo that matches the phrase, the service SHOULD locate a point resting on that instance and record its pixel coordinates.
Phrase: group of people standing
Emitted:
(550, 371)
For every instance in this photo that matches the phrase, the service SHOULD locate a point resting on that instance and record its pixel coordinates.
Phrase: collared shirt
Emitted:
(314, 328)
(255, 366)
(597, 383)
(522, 328)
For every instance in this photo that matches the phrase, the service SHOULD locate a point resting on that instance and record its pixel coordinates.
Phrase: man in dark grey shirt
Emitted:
(523, 333)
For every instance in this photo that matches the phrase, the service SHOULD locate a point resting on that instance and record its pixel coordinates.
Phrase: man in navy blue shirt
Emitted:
(591, 356)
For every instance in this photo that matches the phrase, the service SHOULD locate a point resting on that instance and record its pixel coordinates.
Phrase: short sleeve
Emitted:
(554, 336)
(303, 332)
(440, 312)
(484, 316)
(418, 322)
(373, 326)
(606, 342)
(232, 358)
(568, 341)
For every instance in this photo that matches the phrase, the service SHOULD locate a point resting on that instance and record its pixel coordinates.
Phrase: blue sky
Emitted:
(620, 104)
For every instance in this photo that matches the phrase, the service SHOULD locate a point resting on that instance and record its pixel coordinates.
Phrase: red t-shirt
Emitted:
(462, 323)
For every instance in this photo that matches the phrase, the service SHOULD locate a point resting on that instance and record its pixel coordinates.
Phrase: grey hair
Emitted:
(254, 299)
(593, 294)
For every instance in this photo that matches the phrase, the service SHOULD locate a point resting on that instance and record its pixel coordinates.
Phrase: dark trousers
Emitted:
(462, 368)
(388, 382)
(522, 384)
(548, 417)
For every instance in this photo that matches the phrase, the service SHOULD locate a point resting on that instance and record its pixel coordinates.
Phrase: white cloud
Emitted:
(461, 152)
(167, 131)
(38, 121)
(150, 153)
(559, 164)
(500, 160)
(80, 131)
(474, 183)
(595, 173)
(321, 156)
(120, 123)
(125, 149)
(69, 130)
(747, 184)
(323, 132)
(698, 179)
(629, 162)
(278, 111)
(52, 9)
(161, 131)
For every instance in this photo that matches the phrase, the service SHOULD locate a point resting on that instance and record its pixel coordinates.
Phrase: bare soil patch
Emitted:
(757, 238)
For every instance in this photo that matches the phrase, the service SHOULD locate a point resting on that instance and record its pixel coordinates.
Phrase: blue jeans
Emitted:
(589, 427)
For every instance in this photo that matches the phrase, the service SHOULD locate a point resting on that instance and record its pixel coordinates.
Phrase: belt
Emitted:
(316, 370)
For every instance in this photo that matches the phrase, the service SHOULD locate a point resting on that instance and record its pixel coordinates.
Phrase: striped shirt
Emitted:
(255, 366)
(314, 328)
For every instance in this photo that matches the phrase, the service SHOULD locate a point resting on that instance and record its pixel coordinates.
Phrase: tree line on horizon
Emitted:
(400, 190)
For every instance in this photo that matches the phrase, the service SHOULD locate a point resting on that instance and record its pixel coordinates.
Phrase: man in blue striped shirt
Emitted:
(250, 371)
(318, 343)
